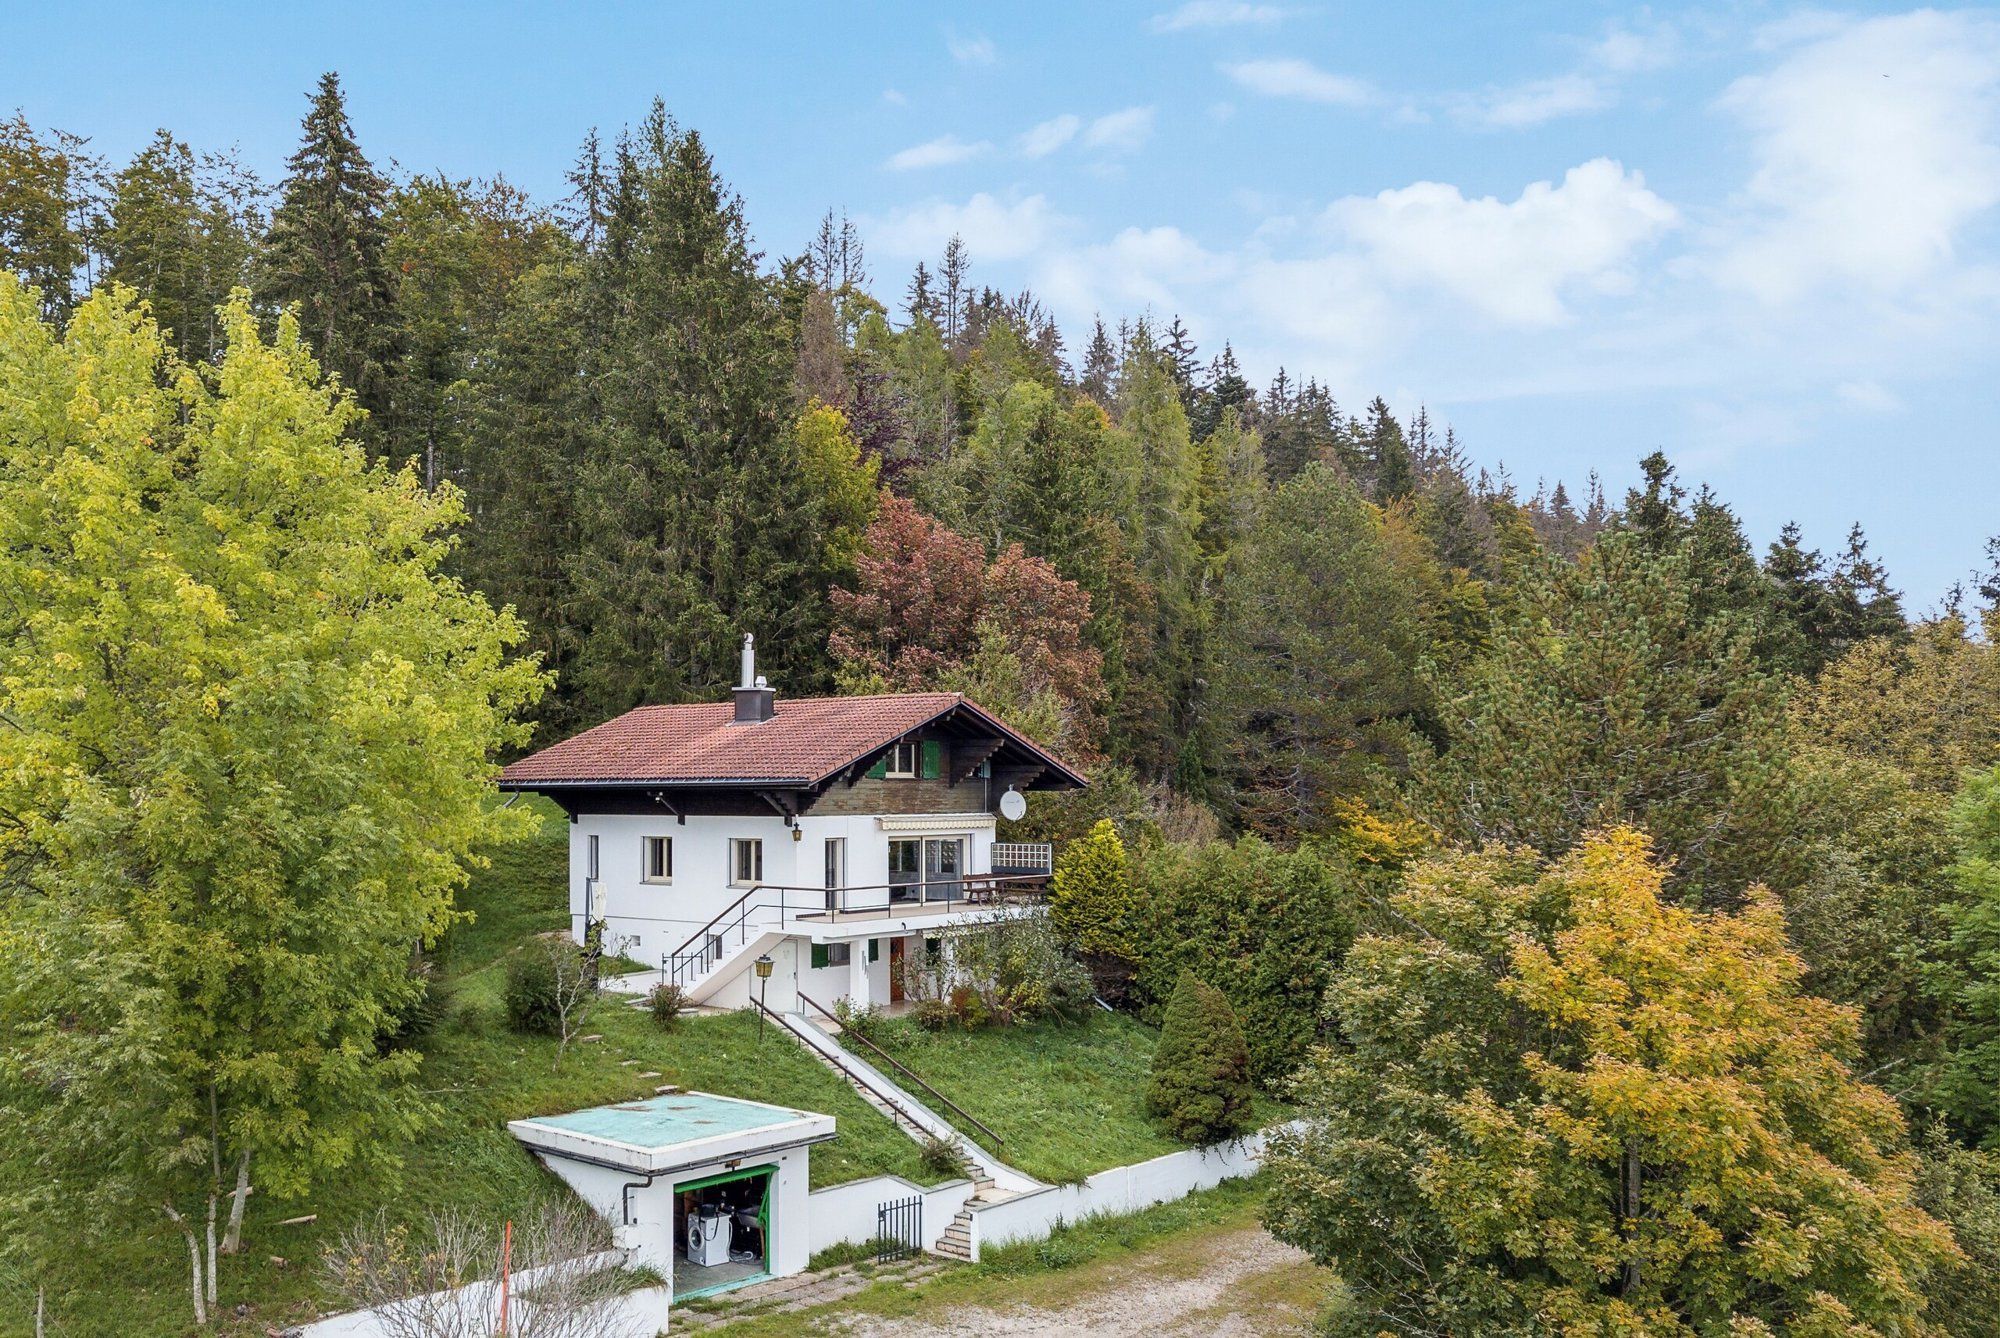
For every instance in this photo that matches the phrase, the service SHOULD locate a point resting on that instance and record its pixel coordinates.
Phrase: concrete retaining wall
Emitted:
(845, 1214)
(1122, 1189)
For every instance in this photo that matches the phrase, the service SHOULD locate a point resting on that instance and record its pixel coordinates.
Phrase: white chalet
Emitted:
(832, 835)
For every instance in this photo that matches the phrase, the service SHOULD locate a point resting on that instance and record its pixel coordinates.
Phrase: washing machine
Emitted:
(709, 1230)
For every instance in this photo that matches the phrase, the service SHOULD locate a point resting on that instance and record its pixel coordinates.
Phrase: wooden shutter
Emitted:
(880, 769)
(819, 954)
(874, 949)
(930, 760)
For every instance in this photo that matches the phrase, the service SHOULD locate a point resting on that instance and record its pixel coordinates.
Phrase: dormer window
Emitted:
(903, 760)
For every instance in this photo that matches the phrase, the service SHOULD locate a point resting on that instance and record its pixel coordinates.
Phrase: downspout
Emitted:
(625, 1196)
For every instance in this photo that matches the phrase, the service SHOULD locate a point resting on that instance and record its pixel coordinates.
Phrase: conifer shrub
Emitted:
(1201, 1085)
(1090, 907)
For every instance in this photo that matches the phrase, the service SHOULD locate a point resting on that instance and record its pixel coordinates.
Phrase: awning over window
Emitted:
(936, 822)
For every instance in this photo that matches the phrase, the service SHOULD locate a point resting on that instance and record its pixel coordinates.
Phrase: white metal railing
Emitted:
(1023, 857)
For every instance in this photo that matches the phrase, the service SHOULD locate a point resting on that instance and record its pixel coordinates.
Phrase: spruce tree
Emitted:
(325, 253)
(44, 193)
(178, 234)
(1100, 366)
(1200, 1087)
(1392, 472)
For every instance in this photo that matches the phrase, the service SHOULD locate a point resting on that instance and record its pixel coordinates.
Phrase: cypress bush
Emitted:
(1201, 1071)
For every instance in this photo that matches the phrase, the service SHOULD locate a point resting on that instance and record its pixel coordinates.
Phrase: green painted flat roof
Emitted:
(667, 1121)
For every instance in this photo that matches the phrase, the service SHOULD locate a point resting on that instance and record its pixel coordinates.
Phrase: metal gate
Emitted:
(899, 1229)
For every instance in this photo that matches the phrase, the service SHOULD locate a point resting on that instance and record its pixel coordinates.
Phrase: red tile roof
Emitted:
(807, 740)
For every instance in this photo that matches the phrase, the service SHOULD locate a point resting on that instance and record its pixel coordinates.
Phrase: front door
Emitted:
(897, 948)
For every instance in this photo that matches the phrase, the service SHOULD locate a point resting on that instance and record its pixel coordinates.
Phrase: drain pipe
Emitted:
(625, 1196)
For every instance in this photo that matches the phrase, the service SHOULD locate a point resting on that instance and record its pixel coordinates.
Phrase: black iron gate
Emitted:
(899, 1229)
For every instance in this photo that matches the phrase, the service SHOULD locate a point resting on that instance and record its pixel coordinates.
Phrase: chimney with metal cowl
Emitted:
(755, 701)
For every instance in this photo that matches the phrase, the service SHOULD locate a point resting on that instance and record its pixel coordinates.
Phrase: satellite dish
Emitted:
(1013, 805)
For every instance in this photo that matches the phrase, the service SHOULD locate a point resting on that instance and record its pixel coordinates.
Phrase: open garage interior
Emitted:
(723, 1226)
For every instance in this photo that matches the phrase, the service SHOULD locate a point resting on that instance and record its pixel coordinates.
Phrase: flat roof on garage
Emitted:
(672, 1131)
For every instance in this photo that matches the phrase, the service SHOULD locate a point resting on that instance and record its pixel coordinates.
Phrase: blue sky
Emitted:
(1763, 238)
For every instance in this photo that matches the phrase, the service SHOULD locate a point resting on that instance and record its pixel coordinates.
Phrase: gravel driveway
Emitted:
(1237, 1284)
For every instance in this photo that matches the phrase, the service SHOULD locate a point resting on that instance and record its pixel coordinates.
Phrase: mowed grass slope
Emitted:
(1065, 1100)
(480, 1075)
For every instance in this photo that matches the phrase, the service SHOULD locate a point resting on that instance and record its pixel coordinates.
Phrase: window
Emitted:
(836, 870)
(746, 862)
(659, 866)
(903, 760)
(832, 954)
(590, 865)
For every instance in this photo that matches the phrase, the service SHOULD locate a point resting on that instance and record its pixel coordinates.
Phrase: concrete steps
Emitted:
(956, 1243)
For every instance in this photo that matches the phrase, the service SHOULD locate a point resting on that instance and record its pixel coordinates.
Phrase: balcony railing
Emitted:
(1023, 857)
(769, 905)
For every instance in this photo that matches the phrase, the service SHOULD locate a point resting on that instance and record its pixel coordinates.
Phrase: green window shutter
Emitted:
(874, 949)
(819, 954)
(880, 769)
(930, 764)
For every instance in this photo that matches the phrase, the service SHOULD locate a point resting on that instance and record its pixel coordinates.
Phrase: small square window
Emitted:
(746, 862)
(839, 954)
(902, 761)
(659, 866)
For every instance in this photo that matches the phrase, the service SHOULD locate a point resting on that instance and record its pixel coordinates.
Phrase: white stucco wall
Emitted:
(650, 1236)
(1122, 1189)
(846, 1214)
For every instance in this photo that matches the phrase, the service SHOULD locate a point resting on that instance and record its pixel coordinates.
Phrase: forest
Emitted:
(1568, 861)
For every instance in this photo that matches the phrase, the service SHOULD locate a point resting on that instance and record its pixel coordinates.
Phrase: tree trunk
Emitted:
(194, 1263)
(232, 1239)
(1631, 1196)
(211, 1245)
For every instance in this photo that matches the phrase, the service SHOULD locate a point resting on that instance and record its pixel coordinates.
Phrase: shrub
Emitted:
(667, 1002)
(1201, 1069)
(932, 1014)
(865, 1021)
(1091, 907)
(1283, 919)
(942, 1157)
(531, 995)
(436, 1000)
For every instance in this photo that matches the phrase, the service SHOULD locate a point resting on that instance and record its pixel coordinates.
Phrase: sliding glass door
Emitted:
(927, 869)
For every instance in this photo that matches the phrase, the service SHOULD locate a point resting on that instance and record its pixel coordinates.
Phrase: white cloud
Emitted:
(944, 151)
(1593, 86)
(1868, 395)
(1215, 14)
(1511, 261)
(894, 97)
(975, 49)
(1120, 131)
(1050, 135)
(1875, 145)
(1537, 101)
(991, 229)
(1292, 78)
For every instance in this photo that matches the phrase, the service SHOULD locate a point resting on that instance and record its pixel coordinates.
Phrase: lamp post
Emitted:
(763, 965)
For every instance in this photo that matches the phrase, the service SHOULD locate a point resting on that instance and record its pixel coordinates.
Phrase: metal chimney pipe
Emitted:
(749, 679)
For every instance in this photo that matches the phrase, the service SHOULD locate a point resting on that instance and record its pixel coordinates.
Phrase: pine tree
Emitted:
(1183, 363)
(679, 447)
(1100, 366)
(45, 187)
(325, 253)
(919, 300)
(1317, 681)
(1226, 392)
(179, 234)
(1392, 472)
(952, 272)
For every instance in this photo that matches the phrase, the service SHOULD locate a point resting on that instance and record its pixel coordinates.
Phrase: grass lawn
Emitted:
(481, 1075)
(1065, 1100)
(1081, 1264)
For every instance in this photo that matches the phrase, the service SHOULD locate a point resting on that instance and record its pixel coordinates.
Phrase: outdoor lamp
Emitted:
(764, 967)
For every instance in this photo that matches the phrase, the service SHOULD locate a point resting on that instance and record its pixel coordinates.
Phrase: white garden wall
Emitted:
(1122, 1189)
(845, 1214)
